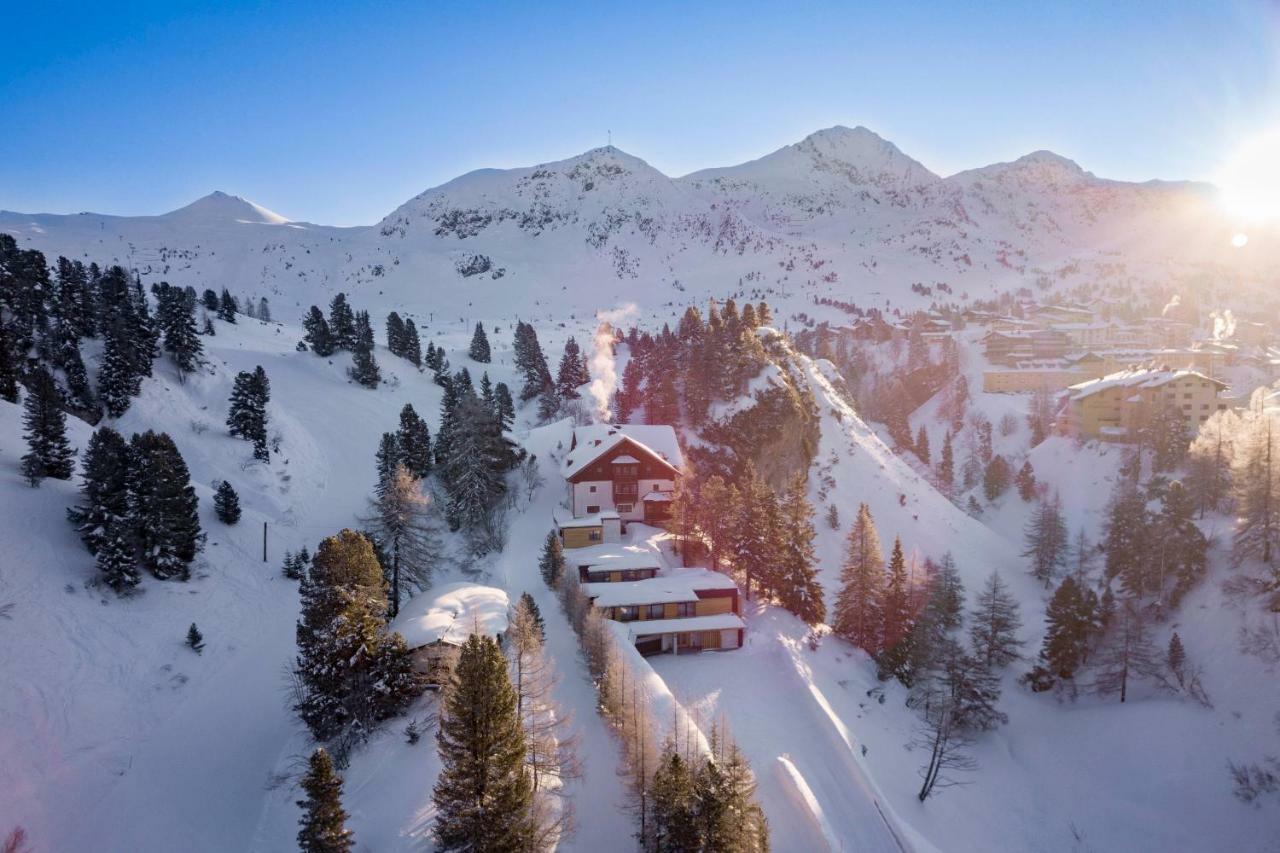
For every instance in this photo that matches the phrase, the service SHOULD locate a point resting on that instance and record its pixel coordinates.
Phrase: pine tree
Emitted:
(342, 323)
(473, 471)
(412, 345)
(387, 459)
(530, 362)
(414, 440)
(395, 334)
(227, 308)
(947, 467)
(573, 373)
(401, 522)
(319, 336)
(994, 623)
(226, 503)
(479, 349)
(163, 506)
(483, 797)
(995, 479)
(753, 537)
(364, 369)
(1066, 636)
(858, 613)
(504, 405)
(247, 418)
(117, 561)
(1026, 481)
(178, 324)
(8, 369)
(323, 822)
(1180, 550)
(551, 563)
(548, 405)
(264, 310)
(195, 640)
(209, 299)
(1127, 538)
(105, 489)
(351, 672)
(797, 585)
(946, 594)
(45, 428)
(118, 382)
(897, 615)
(1176, 659)
(922, 445)
(673, 805)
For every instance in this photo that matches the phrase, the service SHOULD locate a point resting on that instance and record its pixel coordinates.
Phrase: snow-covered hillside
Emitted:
(843, 213)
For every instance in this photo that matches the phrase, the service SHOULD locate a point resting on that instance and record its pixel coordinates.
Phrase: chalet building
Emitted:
(613, 563)
(622, 471)
(437, 622)
(677, 611)
(1113, 407)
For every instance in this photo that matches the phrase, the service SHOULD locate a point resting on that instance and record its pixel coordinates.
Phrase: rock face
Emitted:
(842, 214)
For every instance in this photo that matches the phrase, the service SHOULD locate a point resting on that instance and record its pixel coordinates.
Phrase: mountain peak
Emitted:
(218, 206)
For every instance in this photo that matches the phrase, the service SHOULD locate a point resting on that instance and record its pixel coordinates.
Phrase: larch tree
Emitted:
(1046, 541)
(994, 623)
(1257, 479)
(401, 521)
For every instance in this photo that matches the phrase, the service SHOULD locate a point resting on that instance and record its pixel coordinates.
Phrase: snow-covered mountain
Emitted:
(842, 213)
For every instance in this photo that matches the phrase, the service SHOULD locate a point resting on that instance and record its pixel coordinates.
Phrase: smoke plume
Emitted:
(604, 372)
(1173, 303)
(1224, 325)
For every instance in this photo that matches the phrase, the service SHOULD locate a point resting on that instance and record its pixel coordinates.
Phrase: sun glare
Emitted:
(1240, 240)
(1250, 178)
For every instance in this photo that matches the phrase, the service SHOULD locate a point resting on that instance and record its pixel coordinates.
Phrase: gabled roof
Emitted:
(1136, 379)
(592, 442)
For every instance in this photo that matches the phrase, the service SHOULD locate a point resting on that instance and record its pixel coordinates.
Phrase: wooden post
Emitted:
(264, 541)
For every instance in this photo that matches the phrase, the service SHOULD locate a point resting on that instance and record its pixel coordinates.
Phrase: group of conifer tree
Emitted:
(349, 330)
(910, 621)
(764, 537)
(138, 508)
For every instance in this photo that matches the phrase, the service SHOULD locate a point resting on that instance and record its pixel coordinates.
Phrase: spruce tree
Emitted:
(45, 428)
(897, 599)
(1026, 481)
(1066, 636)
(526, 601)
(117, 561)
(673, 806)
(209, 299)
(163, 506)
(797, 579)
(530, 362)
(105, 489)
(947, 467)
(227, 308)
(8, 369)
(1181, 549)
(483, 797)
(858, 614)
(395, 334)
(79, 395)
(1046, 541)
(572, 374)
(364, 369)
(412, 345)
(505, 406)
(922, 445)
(387, 460)
(178, 324)
(323, 822)
(226, 503)
(195, 640)
(1127, 540)
(401, 522)
(946, 594)
(342, 323)
(551, 563)
(247, 418)
(995, 479)
(318, 336)
(414, 442)
(994, 623)
(118, 382)
(479, 349)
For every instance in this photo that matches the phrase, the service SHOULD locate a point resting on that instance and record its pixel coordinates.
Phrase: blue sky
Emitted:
(337, 113)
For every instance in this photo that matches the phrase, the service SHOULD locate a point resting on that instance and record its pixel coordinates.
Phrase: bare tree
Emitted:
(551, 757)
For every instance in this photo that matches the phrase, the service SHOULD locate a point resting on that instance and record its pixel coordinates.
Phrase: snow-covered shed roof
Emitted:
(714, 622)
(1136, 379)
(564, 518)
(593, 441)
(672, 586)
(615, 556)
(451, 613)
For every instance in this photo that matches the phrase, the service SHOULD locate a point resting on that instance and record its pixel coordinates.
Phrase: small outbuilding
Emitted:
(437, 622)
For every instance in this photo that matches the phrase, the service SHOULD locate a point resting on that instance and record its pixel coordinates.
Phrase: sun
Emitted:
(1250, 178)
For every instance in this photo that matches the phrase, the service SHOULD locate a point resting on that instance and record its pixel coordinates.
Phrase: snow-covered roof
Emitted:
(624, 459)
(564, 518)
(715, 622)
(656, 495)
(615, 556)
(593, 441)
(671, 586)
(1137, 379)
(451, 613)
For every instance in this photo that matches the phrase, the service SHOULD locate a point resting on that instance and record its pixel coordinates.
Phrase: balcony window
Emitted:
(655, 611)
(625, 470)
(625, 507)
(629, 613)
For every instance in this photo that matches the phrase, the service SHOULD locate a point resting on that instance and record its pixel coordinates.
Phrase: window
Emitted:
(1186, 396)
(628, 613)
(623, 470)
(591, 489)
(655, 611)
(685, 609)
(624, 507)
(594, 535)
(592, 509)
(1186, 407)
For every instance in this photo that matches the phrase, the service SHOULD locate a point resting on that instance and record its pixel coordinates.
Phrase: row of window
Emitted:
(592, 509)
(631, 612)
